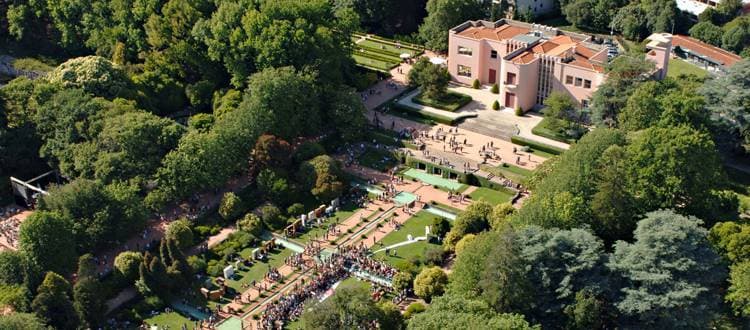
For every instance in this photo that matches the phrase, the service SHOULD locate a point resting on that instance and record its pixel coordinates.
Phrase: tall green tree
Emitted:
(670, 273)
(455, 311)
(728, 99)
(45, 239)
(350, 307)
(432, 78)
(674, 167)
(624, 73)
(21, 321)
(53, 303)
(442, 15)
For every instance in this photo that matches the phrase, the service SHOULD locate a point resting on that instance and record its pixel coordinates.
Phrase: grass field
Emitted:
(678, 67)
(172, 320)
(512, 172)
(373, 63)
(414, 226)
(344, 213)
(492, 196)
(257, 270)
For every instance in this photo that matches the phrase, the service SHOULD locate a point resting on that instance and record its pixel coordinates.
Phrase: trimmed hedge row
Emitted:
(463, 100)
(536, 145)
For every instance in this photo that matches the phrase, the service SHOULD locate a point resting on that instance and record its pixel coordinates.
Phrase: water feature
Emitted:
(404, 198)
(441, 212)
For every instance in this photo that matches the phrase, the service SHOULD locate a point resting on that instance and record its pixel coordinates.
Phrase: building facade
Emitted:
(530, 61)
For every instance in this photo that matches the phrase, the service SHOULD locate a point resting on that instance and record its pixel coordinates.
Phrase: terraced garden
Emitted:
(380, 53)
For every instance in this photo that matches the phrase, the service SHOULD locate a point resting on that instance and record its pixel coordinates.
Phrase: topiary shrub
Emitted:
(495, 89)
(414, 308)
(476, 84)
(496, 105)
(519, 111)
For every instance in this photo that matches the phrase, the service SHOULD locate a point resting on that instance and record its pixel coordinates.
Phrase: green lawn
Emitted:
(344, 213)
(678, 67)
(543, 130)
(492, 196)
(450, 102)
(386, 47)
(259, 269)
(512, 172)
(172, 320)
(373, 63)
(414, 226)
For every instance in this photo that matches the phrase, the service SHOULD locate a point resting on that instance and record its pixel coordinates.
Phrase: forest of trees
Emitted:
(634, 226)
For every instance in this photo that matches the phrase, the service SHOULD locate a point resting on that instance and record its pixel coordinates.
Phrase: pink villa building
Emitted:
(529, 61)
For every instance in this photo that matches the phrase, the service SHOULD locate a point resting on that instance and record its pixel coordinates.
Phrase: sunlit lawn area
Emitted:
(374, 63)
(414, 226)
(346, 211)
(678, 66)
(172, 320)
(386, 47)
(492, 196)
(512, 172)
(258, 269)
(542, 129)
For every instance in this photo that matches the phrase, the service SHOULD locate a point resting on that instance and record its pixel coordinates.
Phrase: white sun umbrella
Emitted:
(437, 60)
(405, 56)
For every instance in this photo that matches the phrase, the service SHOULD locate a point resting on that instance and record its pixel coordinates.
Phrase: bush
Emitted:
(433, 256)
(414, 308)
(495, 89)
(430, 283)
(536, 145)
(295, 209)
(519, 111)
(250, 223)
(180, 232)
(271, 216)
(127, 264)
(496, 105)
(230, 207)
(403, 280)
(476, 84)
(197, 263)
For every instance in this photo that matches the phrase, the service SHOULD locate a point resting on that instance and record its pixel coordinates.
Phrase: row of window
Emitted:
(578, 82)
(468, 52)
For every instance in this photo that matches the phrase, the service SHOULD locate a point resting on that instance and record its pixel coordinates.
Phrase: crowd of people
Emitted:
(336, 267)
(9, 226)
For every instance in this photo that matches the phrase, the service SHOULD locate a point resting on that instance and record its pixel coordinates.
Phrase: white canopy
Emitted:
(405, 55)
(437, 60)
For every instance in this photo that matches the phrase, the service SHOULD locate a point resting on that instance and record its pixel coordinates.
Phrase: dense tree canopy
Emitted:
(349, 307)
(728, 99)
(670, 273)
(44, 238)
(442, 15)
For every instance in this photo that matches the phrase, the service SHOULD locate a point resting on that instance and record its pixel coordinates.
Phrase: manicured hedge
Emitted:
(536, 145)
(376, 56)
(456, 102)
(383, 52)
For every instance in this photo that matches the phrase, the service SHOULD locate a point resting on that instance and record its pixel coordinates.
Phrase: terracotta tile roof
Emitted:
(726, 58)
(499, 33)
(524, 58)
(584, 62)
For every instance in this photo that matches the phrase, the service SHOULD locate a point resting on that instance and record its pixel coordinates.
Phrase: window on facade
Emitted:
(587, 83)
(579, 82)
(493, 54)
(510, 79)
(464, 71)
(464, 50)
(568, 80)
